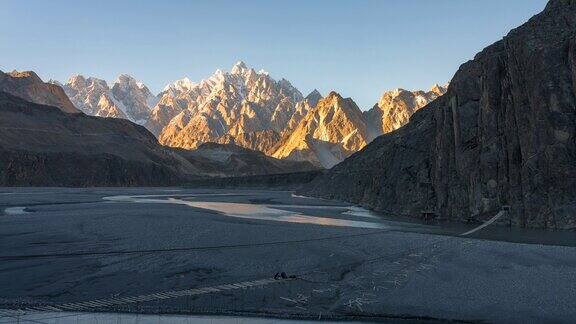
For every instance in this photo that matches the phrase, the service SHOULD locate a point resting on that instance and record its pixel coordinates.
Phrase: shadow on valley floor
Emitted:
(282, 181)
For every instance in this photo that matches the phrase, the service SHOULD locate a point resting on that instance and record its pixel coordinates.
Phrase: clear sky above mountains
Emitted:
(358, 48)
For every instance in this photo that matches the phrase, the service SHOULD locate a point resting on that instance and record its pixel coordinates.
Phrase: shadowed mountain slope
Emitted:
(29, 86)
(231, 160)
(41, 145)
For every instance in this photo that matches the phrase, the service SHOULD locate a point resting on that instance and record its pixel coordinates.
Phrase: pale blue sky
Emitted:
(358, 48)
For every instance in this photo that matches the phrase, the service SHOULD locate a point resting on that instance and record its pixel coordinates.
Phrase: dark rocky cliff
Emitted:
(503, 135)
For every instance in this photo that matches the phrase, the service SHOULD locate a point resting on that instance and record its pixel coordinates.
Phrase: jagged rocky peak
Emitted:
(127, 83)
(127, 98)
(313, 97)
(92, 96)
(328, 133)
(395, 107)
(439, 89)
(302, 108)
(335, 101)
(239, 68)
(79, 82)
(28, 85)
(135, 97)
(182, 85)
(501, 139)
(334, 98)
(225, 105)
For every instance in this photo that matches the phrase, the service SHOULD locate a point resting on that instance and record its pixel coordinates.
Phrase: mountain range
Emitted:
(126, 99)
(46, 141)
(249, 109)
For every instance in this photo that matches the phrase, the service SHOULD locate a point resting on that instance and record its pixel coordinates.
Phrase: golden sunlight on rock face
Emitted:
(395, 107)
(242, 107)
(251, 109)
(232, 196)
(329, 132)
(243, 104)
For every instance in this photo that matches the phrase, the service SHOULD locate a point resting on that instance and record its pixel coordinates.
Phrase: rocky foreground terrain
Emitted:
(503, 135)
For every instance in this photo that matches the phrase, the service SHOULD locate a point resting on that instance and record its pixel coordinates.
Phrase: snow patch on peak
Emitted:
(184, 84)
(126, 98)
(239, 68)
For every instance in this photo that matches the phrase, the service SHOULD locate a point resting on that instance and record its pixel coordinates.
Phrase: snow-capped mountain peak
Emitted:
(226, 104)
(251, 109)
(182, 85)
(239, 68)
(127, 98)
